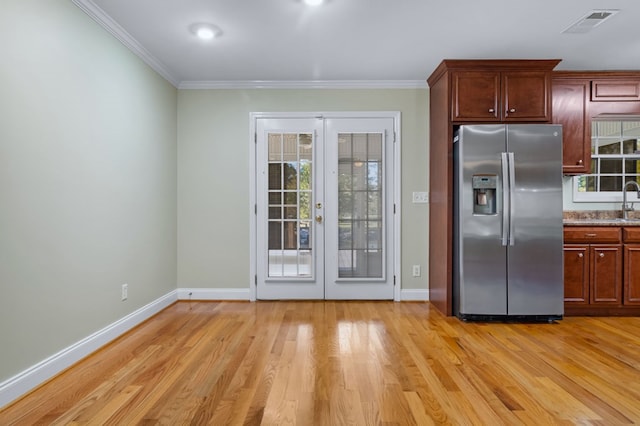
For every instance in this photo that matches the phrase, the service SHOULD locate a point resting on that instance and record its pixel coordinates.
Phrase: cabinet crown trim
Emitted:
(491, 64)
(595, 75)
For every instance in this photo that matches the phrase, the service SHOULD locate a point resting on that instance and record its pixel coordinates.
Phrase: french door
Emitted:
(324, 208)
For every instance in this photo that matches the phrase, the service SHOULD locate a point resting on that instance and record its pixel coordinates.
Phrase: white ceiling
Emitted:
(397, 42)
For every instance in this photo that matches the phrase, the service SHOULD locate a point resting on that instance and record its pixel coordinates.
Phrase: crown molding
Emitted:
(305, 84)
(102, 18)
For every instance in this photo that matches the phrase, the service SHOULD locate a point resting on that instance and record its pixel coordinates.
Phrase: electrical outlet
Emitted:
(420, 197)
(125, 291)
(416, 270)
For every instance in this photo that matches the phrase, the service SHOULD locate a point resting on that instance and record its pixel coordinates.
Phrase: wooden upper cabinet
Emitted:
(492, 96)
(498, 90)
(615, 90)
(581, 96)
(570, 108)
(475, 96)
(526, 96)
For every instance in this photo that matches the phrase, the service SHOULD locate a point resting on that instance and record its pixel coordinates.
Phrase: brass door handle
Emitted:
(319, 219)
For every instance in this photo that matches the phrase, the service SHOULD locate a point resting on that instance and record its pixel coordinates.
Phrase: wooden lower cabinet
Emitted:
(631, 274)
(576, 274)
(606, 275)
(602, 270)
(593, 274)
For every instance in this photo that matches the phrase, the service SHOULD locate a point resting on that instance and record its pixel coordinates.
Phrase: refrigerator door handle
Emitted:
(506, 198)
(512, 185)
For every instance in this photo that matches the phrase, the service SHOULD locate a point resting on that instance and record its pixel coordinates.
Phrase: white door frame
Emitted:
(397, 181)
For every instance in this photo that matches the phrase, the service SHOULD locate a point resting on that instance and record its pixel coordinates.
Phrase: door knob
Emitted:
(319, 219)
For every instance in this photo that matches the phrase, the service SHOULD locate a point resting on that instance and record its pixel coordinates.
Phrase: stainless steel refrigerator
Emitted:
(508, 222)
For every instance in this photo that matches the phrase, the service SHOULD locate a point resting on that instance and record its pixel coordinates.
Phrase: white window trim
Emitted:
(600, 197)
(605, 196)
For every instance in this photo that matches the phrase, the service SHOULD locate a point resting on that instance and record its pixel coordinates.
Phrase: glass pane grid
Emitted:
(360, 201)
(289, 197)
(615, 156)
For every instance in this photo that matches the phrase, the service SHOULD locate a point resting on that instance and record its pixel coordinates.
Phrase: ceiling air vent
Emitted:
(590, 21)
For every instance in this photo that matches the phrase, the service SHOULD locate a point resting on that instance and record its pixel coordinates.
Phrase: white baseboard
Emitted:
(245, 294)
(23, 382)
(214, 294)
(37, 374)
(414, 295)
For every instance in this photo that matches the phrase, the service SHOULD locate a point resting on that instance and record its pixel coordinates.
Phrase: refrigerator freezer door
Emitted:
(480, 270)
(535, 270)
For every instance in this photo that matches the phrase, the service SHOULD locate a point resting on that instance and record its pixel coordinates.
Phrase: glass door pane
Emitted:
(289, 187)
(290, 163)
(359, 208)
(324, 208)
(360, 205)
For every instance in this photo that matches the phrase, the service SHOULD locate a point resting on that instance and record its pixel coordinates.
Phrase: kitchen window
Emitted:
(615, 160)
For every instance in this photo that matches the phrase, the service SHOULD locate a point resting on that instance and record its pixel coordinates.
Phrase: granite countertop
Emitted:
(600, 218)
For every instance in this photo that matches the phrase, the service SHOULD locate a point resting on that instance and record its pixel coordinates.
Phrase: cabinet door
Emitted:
(526, 96)
(627, 90)
(576, 274)
(475, 96)
(570, 103)
(632, 274)
(606, 274)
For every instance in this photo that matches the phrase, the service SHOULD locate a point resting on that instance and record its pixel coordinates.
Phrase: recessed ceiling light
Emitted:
(313, 2)
(205, 31)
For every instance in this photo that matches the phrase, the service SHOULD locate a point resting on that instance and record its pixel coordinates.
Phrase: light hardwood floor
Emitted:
(334, 363)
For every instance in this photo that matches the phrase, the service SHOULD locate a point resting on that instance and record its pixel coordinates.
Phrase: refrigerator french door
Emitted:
(508, 257)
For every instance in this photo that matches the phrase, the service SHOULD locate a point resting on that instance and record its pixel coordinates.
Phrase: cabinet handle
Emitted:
(579, 254)
(590, 235)
(491, 110)
(512, 110)
(601, 255)
(580, 162)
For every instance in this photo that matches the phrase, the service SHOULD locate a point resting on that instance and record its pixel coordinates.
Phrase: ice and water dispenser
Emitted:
(484, 194)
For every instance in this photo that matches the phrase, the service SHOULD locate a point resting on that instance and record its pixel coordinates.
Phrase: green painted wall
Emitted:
(87, 181)
(213, 174)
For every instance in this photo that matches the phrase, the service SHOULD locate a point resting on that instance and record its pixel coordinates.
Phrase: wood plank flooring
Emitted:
(335, 363)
